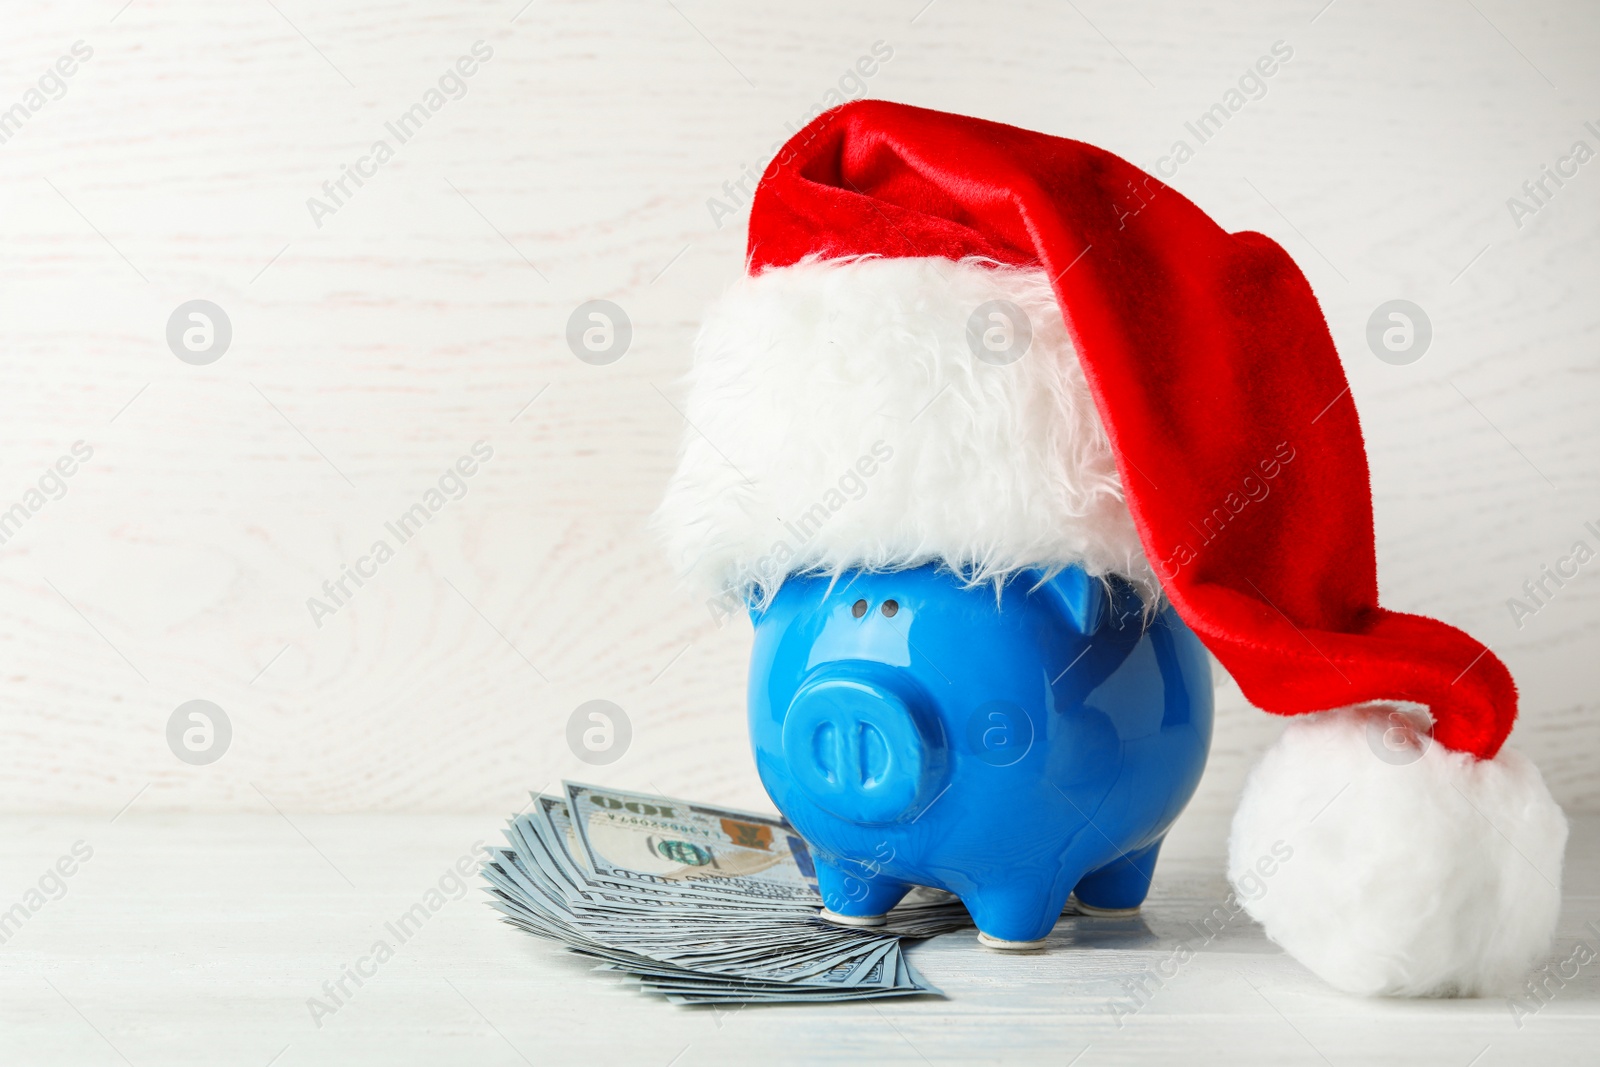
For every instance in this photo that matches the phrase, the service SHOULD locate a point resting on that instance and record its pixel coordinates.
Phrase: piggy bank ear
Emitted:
(1080, 598)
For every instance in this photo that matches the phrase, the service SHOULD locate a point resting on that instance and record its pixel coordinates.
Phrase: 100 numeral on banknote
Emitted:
(635, 839)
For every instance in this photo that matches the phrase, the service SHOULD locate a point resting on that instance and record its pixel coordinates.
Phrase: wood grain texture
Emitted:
(198, 939)
(430, 309)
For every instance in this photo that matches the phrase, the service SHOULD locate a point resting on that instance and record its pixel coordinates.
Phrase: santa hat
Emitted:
(966, 342)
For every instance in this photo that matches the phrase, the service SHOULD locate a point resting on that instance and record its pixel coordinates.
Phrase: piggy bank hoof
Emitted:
(834, 917)
(1103, 913)
(1000, 944)
(1118, 888)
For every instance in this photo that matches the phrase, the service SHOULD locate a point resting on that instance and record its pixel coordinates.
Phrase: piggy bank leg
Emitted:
(856, 898)
(1015, 915)
(1120, 886)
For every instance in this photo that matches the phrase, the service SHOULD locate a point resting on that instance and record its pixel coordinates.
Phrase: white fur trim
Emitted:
(1434, 877)
(805, 377)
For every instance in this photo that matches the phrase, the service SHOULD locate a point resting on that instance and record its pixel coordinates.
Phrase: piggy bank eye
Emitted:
(859, 608)
(889, 609)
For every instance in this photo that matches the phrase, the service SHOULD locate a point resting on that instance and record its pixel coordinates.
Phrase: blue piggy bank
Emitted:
(1014, 748)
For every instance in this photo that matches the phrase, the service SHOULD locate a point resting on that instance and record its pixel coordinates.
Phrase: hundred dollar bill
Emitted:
(643, 840)
(549, 836)
(685, 921)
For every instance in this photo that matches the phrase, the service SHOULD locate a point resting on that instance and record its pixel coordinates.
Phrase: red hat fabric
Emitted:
(1205, 353)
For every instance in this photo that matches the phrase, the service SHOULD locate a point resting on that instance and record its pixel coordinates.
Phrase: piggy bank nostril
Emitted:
(890, 608)
(824, 751)
(859, 608)
(875, 758)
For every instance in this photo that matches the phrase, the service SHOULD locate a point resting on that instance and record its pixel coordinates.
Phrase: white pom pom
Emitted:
(1390, 865)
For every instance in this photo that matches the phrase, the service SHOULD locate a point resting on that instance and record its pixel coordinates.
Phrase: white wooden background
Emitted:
(427, 313)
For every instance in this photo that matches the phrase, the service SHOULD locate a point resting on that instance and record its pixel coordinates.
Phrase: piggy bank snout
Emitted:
(862, 747)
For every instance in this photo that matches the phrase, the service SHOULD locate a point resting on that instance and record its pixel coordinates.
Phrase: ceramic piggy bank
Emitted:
(1013, 749)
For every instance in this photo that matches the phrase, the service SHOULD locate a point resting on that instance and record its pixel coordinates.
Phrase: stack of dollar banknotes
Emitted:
(702, 904)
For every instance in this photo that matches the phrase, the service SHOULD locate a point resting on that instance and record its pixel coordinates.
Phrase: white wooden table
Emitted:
(199, 939)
